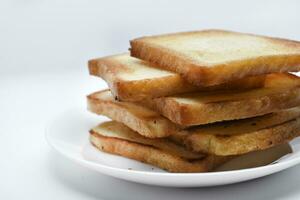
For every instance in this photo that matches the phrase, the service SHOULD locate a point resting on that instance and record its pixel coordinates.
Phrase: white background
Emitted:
(44, 47)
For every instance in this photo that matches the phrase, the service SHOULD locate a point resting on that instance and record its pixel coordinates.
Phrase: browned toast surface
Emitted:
(243, 136)
(229, 137)
(115, 138)
(280, 91)
(139, 118)
(110, 138)
(153, 156)
(115, 129)
(131, 79)
(211, 57)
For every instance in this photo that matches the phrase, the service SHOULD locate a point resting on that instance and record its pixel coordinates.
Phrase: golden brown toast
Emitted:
(116, 138)
(243, 136)
(154, 156)
(212, 57)
(280, 91)
(131, 79)
(115, 129)
(139, 118)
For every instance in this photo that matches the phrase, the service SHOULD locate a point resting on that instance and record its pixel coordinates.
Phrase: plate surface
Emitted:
(68, 135)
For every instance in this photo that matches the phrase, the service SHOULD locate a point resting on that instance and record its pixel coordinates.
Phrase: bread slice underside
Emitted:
(110, 137)
(280, 91)
(131, 79)
(212, 57)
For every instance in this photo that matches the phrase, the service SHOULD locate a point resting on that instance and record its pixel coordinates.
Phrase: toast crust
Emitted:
(143, 120)
(131, 79)
(250, 129)
(224, 145)
(128, 80)
(154, 156)
(281, 91)
(113, 137)
(212, 57)
(115, 129)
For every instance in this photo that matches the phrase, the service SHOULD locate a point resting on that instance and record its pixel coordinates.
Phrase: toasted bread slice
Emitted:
(139, 118)
(115, 129)
(131, 79)
(115, 138)
(243, 136)
(154, 156)
(281, 91)
(212, 57)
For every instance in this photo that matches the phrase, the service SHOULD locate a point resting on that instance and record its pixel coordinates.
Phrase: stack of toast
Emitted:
(199, 101)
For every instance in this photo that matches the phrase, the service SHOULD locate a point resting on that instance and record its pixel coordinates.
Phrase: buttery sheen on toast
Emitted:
(131, 79)
(212, 57)
(116, 138)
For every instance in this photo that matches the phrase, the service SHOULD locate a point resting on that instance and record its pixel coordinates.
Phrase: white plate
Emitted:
(68, 134)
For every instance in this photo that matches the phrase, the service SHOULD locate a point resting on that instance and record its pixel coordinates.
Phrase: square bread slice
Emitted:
(280, 91)
(116, 138)
(147, 122)
(212, 57)
(131, 79)
(118, 130)
(243, 136)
